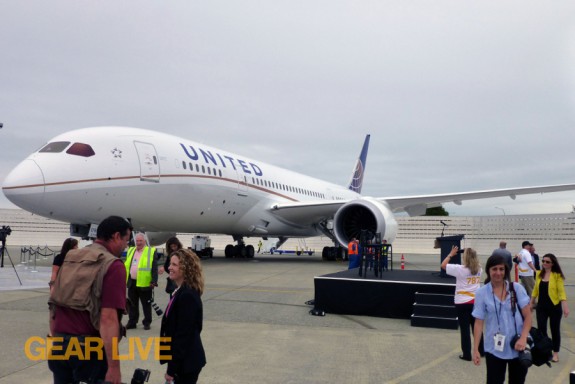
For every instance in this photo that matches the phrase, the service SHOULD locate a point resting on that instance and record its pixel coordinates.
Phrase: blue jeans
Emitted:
(354, 261)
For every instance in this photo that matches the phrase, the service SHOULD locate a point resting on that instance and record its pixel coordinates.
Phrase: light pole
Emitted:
(503, 210)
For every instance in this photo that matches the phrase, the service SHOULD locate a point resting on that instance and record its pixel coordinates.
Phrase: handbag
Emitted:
(542, 348)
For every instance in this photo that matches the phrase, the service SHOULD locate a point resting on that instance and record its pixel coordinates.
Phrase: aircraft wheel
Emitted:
(340, 252)
(229, 251)
(332, 254)
(325, 253)
(250, 251)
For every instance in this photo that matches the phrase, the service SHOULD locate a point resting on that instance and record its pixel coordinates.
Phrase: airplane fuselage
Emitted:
(162, 183)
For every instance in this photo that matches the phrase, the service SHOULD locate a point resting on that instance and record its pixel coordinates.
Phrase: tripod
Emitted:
(5, 251)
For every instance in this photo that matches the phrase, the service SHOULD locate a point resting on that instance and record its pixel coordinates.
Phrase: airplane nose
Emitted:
(24, 185)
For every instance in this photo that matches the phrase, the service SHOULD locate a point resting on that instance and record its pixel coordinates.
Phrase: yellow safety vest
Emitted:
(144, 276)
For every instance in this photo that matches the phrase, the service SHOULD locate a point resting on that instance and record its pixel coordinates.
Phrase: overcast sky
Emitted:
(457, 95)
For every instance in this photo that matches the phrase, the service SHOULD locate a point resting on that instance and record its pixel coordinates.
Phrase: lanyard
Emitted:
(497, 313)
(171, 300)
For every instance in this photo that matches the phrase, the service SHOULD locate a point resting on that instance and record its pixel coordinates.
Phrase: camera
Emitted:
(525, 357)
(141, 376)
(4, 232)
(156, 308)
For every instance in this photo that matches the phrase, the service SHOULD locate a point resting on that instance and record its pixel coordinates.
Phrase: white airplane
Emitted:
(167, 184)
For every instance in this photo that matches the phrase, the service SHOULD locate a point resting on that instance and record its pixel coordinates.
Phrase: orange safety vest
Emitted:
(352, 248)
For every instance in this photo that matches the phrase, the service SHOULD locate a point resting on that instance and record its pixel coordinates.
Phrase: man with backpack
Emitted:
(86, 304)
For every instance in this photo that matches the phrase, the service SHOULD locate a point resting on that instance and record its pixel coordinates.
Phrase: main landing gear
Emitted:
(240, 250)
(334, 253)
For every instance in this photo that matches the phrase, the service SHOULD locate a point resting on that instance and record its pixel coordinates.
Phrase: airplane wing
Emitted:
(308, 213)
(416, 205)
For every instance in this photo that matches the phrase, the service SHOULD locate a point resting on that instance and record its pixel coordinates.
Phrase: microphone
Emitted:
(442, 222)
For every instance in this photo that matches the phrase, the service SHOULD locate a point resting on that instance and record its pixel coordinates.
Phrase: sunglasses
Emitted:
(546, 262)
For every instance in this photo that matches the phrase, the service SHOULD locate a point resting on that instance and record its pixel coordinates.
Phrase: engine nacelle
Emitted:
(365, 213)
(159, 238)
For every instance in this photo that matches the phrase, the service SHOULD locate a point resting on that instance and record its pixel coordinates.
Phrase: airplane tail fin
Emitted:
(356, 181)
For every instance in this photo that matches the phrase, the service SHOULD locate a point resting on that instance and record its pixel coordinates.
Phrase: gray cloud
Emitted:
(457, 96)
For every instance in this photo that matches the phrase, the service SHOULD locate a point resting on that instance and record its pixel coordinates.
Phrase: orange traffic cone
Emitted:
(402, 262)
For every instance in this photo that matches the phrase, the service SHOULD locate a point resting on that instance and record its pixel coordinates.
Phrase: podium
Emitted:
(445, 243)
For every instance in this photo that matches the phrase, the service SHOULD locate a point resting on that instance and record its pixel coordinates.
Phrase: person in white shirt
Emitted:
(526, 267)
(468, 278)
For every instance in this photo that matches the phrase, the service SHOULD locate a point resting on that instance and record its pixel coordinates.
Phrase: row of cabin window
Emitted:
(269, 184)
(216, 172)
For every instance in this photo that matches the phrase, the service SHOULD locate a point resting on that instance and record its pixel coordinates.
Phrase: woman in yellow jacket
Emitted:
(551, 299)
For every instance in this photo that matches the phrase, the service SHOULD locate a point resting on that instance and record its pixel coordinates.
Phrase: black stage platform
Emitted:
(391, 295)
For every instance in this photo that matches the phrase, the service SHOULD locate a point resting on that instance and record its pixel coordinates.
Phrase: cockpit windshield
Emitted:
(80, 149)
(77, 149)
(55, 147)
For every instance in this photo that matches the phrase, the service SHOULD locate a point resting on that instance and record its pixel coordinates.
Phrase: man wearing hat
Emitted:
(526, 268)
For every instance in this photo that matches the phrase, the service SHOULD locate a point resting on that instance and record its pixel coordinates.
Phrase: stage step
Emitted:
(432, 310)
(434, 322)
(433, 299)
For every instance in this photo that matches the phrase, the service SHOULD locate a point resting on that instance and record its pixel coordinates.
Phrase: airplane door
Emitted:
(242, 184)
(149, 164)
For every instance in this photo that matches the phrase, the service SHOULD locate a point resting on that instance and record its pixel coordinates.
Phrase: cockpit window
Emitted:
(55, 147)
(80, 149)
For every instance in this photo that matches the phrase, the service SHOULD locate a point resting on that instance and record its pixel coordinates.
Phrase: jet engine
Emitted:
(364, 214)
(159, 238)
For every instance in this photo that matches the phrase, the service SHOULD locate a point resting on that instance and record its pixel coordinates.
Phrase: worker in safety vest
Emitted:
(384, 254)
(142, 277)
(353, 253)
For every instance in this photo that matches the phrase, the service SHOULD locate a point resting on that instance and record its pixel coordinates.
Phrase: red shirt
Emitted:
(75, 322)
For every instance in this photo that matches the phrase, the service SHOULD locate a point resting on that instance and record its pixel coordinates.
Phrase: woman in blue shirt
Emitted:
(493, 311)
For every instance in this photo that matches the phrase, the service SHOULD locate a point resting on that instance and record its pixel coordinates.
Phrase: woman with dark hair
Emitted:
(551, 299)
(183, 318)
(506, 329)
(69, 244)
(467, 282)
(172, 245)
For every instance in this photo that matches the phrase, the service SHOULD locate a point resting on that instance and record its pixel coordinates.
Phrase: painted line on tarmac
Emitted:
(424, 367)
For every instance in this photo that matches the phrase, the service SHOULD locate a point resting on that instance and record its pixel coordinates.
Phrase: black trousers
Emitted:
(143, 295)
(554, 314)
(466, 322)
(88, 369)
(496, 369)
(188, 378)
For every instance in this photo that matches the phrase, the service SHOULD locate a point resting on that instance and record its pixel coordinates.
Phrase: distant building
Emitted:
(549, 232)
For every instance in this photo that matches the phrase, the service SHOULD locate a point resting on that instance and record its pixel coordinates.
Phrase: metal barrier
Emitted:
(30, 255)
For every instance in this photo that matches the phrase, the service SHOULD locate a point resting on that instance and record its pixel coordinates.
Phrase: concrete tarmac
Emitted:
(257, 329)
